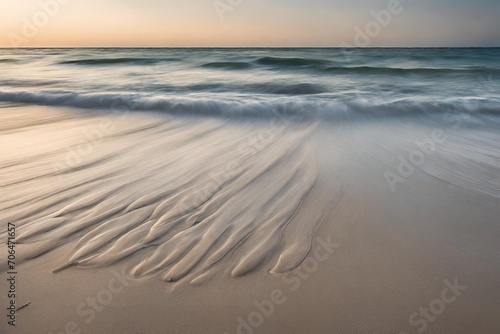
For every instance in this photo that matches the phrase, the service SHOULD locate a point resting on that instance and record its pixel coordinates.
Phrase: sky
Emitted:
(230, 23)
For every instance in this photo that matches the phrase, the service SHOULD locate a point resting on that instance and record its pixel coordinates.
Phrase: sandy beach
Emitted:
(250, 167)
(142, 222)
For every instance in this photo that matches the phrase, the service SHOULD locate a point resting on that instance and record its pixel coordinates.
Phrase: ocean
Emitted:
(305, 82)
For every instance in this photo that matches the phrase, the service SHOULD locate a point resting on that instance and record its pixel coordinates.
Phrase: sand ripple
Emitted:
(172, 197)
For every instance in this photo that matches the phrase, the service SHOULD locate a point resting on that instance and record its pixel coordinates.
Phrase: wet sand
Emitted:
(151, 223)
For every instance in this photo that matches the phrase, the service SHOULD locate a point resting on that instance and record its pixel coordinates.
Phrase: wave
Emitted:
(228, 65)
(395, 70)
(322, 65)
(291, 62)
(169, 104)
(272, 88)
(28, 83)
(287, 89)
(117, 61)
(324, 106)
(6, 60)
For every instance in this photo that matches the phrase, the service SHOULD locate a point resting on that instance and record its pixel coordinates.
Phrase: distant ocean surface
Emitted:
(317, 82)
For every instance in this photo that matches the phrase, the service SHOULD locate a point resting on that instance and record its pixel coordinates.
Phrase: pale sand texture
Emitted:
(224, 207)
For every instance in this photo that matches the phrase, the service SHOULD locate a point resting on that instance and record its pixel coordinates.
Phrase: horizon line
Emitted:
(249, 47)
